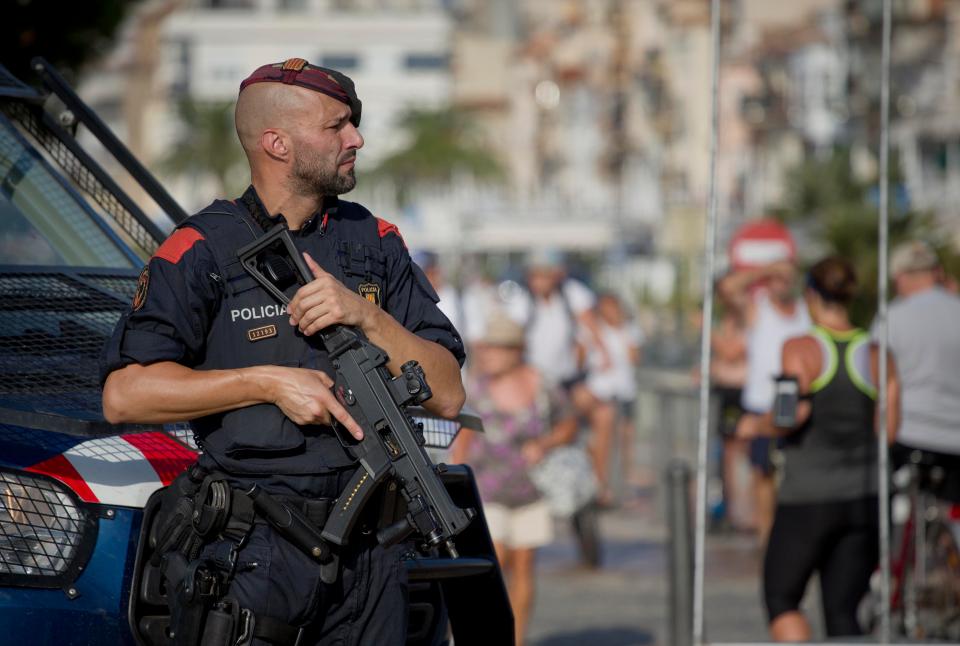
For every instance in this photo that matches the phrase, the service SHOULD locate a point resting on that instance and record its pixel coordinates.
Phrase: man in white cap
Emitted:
(925, 339)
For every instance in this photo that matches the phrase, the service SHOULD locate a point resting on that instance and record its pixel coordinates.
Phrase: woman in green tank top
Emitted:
(827, 508)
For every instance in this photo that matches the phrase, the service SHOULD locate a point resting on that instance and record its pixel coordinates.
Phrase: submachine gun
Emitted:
(392, 449)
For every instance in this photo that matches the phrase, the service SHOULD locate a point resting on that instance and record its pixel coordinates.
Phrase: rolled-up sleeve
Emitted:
(412, 301)
(177, 297)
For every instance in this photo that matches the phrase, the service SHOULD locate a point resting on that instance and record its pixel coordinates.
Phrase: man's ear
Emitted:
(276, 143)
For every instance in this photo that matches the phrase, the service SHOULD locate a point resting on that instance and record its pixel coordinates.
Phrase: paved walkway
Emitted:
(624, 603)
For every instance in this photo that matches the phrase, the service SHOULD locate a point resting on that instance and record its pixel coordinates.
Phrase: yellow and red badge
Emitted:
(371, 292)
(140, 296)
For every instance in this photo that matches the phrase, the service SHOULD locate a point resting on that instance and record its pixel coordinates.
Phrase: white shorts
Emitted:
(524, 527)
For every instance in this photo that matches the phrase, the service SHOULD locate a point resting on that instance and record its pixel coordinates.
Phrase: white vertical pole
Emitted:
(883, 484)
(709, 243)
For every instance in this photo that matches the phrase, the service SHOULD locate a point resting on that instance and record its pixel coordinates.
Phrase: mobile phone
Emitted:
(785, 400)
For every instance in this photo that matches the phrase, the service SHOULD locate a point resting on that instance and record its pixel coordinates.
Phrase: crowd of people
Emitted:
(811, 445)
(552, 373)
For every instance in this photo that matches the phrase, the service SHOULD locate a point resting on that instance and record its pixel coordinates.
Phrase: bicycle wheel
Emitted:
(938, 598)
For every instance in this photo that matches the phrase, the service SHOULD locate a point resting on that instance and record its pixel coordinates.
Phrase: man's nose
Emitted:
(352, 139)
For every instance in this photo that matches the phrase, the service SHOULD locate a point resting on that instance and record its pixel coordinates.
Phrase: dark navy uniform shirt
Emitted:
(192, 288)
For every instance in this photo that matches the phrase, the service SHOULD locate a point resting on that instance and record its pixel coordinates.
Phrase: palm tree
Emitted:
(207, 146)
(839, 211)
(442, 144)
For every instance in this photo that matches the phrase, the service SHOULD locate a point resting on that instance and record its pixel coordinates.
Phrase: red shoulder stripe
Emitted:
(384, 227)
(179, 243)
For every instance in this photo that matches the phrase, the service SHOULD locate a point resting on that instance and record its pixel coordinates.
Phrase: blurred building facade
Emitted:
(398, 53)
(598, 110)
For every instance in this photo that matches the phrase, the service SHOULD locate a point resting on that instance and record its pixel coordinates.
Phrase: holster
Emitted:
(200, 507)
(195, 593)
(228, 624)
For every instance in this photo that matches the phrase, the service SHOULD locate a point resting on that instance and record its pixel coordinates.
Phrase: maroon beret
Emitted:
(297, 71)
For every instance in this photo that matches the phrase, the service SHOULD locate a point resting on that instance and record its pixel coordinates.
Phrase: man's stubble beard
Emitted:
(310, 176)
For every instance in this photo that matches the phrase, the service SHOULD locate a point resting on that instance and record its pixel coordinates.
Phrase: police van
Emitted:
(78, 495)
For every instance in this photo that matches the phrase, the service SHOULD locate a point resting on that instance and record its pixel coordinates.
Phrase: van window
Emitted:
(42, 221)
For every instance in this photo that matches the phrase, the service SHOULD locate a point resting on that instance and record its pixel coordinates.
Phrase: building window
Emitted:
(426, 62)
(340, 62)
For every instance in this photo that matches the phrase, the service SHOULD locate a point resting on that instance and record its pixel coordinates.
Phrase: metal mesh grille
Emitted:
(38, 190)
(438, 433)
(121, 286)
(82, 176)
(52, 331)
(183, 432)
(40, 526)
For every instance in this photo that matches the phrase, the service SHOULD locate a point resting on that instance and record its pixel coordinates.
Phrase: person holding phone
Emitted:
(826, 519)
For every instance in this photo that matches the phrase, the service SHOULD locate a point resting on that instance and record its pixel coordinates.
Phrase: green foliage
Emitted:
(208, 145)
(67, 34)
(834, 207)
(441, 144)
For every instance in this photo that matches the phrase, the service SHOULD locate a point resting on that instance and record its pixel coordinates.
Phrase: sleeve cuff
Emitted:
(139, 346)
(443, 337)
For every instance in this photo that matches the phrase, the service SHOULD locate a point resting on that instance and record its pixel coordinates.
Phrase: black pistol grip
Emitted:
(348, 507)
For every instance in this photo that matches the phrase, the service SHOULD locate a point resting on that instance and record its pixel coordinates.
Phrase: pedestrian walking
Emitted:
(826, 518)
(524, 419)
(925, 339)
(555, 310)
(611, 376)
(728, 374)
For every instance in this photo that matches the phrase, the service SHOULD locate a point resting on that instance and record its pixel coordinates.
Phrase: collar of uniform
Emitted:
(329, 207)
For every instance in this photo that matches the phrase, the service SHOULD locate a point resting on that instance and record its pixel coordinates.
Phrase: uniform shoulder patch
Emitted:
(179, 243)
(384, 228)
(140, 296)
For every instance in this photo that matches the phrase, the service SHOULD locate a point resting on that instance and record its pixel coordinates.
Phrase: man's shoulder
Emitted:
(353, 211)
(213, 233)
(191, 238)
(577, 294)
(352, 214)
(931, 298)
(215, 211)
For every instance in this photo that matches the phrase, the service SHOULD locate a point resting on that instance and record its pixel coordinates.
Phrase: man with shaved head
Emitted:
(204, 342)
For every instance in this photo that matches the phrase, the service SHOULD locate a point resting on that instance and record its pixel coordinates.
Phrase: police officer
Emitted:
(204, 342)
